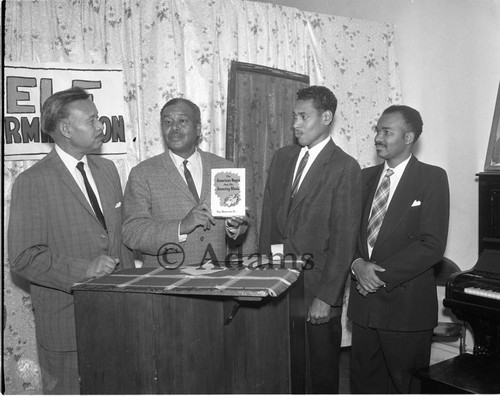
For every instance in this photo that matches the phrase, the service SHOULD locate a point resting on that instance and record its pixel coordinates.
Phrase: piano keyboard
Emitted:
(476, 291)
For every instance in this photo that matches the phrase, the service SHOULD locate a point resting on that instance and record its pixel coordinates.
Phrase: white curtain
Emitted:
(170, 48)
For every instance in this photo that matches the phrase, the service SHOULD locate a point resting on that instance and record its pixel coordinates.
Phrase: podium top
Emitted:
(223, 281)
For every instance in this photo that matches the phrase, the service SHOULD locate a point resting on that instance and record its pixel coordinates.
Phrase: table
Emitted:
(191, 330)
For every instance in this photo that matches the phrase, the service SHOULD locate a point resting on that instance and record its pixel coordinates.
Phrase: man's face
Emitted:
(392, 141)
(180, 129)
(84, 131)
(310, 125)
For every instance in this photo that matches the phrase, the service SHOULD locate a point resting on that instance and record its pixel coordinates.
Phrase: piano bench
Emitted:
(462, 374)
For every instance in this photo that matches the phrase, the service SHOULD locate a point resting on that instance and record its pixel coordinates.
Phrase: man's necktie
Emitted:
(302, 165)
(379, 207)
(92, 197)
(190, 181)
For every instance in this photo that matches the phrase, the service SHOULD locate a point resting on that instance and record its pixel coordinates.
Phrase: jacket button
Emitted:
(202, 238)
(103, 236)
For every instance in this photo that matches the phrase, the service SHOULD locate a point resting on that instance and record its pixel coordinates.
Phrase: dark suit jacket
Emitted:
(323, 219)
(54, 234)
(157, 198)
(411, 240)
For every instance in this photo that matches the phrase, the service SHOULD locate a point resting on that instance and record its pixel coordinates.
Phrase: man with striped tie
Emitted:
(312, 205)
(404, 227)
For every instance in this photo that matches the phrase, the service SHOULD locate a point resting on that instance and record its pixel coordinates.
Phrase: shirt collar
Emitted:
(178, 160)
(69, 160)
(313, 152)
(399, 169)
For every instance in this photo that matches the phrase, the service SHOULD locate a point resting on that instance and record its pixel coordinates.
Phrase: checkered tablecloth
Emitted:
(243, 282)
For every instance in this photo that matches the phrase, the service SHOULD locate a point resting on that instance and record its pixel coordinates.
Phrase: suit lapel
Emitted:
(105, 188)
(312, 177)
(207, 176)
(172, 173)
(401, 201)
(371, 186)
(68, 180)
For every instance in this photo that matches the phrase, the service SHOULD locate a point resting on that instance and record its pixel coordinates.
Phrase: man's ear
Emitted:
(327, 117)
(409, 137)
(63, 129)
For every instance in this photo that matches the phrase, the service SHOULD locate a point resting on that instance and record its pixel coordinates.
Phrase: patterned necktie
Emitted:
(91, 194)
(379, 207)
(302, 165)
(190, 182)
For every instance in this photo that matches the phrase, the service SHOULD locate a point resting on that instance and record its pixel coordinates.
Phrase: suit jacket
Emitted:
(54, 234)
(323, 219)
(411, 240)
(157, 198)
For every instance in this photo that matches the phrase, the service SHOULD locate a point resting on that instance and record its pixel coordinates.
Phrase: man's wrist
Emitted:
(352, 266)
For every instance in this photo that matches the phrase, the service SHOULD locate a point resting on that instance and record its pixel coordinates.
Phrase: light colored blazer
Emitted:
(323, 219)
(157, 198)
(411, 240)
(53, 235)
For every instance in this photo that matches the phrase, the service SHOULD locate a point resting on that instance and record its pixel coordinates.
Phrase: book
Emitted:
(227, 189)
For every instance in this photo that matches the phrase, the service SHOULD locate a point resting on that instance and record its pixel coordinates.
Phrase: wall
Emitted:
(449, 54)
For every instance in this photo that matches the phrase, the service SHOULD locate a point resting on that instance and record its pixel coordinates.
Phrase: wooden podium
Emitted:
(155, 331)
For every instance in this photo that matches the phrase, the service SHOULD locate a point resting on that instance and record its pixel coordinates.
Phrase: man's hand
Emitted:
(101, 265)
(237, 225)
(319, 312)
(368, 280)
(199, 216)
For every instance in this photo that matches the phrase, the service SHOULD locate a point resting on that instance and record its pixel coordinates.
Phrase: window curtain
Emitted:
(172, 48)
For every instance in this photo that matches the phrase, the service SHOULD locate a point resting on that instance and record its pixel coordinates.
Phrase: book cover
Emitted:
(227, 191)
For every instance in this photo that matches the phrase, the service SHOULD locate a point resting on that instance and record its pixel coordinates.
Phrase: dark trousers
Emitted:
(324, 351)
(384, 361)
(59, 371)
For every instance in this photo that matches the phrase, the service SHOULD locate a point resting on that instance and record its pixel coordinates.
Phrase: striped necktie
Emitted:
(302, 165)
(379, 207)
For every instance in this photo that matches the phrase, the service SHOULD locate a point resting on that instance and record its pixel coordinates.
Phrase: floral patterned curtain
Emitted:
(184, 48)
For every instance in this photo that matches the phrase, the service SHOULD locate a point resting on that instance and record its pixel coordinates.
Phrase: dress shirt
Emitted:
(395, 178)
(194, 166)
(71, 163)
(313, 153)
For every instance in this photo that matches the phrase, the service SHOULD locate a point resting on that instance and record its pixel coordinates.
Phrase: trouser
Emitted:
(384, 361)
(59, 371)
(324, 352)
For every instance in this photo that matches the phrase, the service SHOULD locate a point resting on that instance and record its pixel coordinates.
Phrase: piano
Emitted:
(474, 296)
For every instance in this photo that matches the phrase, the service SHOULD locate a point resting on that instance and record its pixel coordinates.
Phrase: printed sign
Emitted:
(27, 86)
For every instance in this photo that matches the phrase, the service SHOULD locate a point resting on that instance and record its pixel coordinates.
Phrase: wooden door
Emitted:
(259, 121)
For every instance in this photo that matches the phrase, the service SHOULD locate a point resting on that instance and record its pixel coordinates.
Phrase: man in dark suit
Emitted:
(393, 303)
(167, 198)
(315, 208)
(65, 227)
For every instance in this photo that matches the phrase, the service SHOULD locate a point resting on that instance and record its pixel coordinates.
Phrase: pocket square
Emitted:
(118, 205)
(416, 203)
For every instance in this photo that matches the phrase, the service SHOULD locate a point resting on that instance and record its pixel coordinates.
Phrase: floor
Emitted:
(344, 371)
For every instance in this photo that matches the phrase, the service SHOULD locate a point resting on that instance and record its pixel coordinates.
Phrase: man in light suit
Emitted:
(315, 209)
(393, 303)
(56, 235)
(167, 198)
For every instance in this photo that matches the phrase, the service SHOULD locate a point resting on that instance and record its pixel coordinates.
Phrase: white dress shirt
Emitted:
(71, 163)
(395, 178)
(313, 154)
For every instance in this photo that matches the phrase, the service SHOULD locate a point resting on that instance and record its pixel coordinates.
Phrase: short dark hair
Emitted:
(55, 108)
(193, 106)
(323, 99)
(412, 118)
